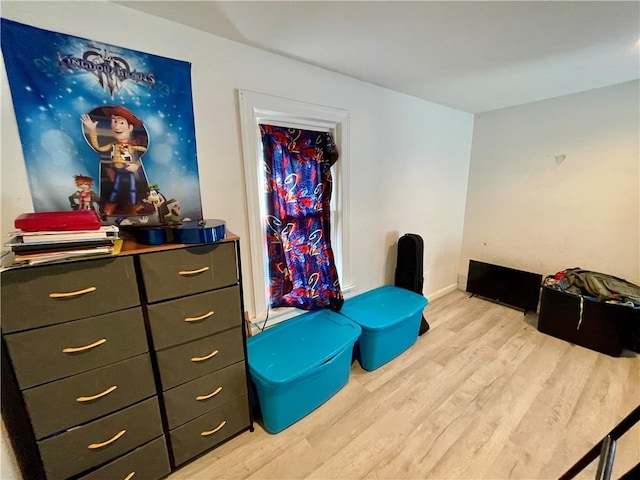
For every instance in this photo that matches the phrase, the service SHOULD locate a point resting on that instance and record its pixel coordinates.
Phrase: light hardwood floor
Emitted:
(482, 395)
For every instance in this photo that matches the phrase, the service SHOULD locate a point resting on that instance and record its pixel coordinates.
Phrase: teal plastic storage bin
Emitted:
(299, 364)
(390, 319)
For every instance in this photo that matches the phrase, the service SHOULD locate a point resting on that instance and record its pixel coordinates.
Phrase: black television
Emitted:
(509, 286)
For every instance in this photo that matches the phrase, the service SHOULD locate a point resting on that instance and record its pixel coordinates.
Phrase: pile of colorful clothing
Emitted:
(596, 286)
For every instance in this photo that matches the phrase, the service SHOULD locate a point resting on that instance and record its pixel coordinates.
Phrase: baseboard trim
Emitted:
(442, 292)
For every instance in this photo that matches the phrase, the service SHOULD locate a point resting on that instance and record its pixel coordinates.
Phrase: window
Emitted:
(257, 108)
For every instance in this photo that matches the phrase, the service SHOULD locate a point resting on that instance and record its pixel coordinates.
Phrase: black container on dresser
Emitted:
(124, 367)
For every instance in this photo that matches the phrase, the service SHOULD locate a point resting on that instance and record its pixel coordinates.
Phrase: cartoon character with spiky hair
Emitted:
(84, 198)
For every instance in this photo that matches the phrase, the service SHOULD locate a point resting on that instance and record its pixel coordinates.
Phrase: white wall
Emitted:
(529, 210)
(409, 158)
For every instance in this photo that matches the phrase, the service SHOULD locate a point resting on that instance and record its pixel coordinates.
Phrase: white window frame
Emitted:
(259, 108)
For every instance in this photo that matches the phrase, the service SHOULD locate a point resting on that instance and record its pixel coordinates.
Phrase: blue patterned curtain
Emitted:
(297, 172)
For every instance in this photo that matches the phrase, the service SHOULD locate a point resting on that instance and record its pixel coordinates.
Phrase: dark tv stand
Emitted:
(504, 285)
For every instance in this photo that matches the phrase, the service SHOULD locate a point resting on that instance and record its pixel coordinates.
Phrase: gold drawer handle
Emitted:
(206, 357)
(130, 476)
(86, 347)
(94, 397)
(93, 446)
(73, 294)
(212, 394)
(211, 432)
(201, 317)
(193, 272)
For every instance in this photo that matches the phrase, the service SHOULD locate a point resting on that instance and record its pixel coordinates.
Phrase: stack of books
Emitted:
(34, 248)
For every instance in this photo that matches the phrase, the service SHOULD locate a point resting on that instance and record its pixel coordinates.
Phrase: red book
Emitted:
(65, 220)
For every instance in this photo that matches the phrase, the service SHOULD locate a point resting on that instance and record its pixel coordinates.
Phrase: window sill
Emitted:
(280, 314)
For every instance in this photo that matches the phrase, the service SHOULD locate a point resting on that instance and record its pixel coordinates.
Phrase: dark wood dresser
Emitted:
(127, 366)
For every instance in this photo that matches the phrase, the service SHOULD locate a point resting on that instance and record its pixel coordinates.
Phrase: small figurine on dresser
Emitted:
(174, 212)
(84, 198)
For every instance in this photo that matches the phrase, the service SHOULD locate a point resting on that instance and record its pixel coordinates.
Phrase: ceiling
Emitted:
(472, 56)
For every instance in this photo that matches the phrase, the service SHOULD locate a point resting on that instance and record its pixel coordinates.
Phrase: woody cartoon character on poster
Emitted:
(122, 176)
(119, 120)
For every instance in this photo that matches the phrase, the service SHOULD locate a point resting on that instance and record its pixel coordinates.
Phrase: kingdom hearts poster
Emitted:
(102, 127)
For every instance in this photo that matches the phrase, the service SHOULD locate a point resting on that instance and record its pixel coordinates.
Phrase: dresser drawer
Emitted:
(177, 273)
(39, 296)
(204, 394)
(179, 321)
(37, 355)
(75, 400)
(189, 361)
(149, 462)
(97, 442)
(208, 430)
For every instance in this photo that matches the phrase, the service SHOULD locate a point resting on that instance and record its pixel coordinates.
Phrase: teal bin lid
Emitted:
(297, 346)
(383, 306)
